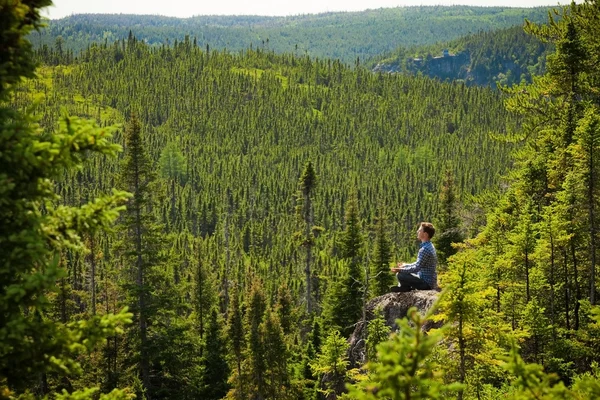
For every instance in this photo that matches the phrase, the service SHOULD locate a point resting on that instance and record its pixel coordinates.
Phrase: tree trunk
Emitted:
(144, 362)
(592, 219)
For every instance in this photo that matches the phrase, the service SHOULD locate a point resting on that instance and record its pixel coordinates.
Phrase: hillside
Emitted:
(505, 56)
(247, 124)
(342, 35)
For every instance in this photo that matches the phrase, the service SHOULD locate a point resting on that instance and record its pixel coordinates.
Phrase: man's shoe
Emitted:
(400, 289)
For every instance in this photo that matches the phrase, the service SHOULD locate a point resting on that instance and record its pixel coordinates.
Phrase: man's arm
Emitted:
(414, 267)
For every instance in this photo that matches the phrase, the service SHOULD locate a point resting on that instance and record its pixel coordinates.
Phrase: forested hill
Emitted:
(504, 56)
(246, 124)
(341, 35)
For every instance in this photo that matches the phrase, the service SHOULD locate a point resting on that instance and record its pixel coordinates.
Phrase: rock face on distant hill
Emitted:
(394, 306)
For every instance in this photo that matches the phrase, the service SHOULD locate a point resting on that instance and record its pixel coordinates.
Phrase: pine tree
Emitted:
(215, 369)
(236, 337)
(277, 376)
(307, 233)
(382, 278)
(254, 374)
(204, 297)
(403, 369)
(150, 276)
(448, 226)
(332, 362)
(344, 306)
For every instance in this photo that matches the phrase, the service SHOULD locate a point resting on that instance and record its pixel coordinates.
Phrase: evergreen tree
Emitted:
(377, 332)
(403, 369)
(277, 376)
(236, 343)
(137, 177)
(307, 232)
(345, 302)
(204, 297)
(215, 370)
(331, 364)
(255, 371)
(448, 225)
(382, 278)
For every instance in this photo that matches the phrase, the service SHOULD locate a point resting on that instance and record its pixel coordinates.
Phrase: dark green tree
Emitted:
(306, 221)
(235, 330)
(382, 278)
(346, 298)
(215, 369)
(448, 226)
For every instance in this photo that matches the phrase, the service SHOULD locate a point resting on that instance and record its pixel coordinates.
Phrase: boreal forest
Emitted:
(209, 208)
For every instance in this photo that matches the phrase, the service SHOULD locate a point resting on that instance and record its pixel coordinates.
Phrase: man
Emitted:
(421, 274)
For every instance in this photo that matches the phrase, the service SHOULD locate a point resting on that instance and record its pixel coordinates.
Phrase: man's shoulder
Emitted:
(428, 246)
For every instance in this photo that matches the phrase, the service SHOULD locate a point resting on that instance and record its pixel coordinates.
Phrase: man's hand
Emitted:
(398, 268)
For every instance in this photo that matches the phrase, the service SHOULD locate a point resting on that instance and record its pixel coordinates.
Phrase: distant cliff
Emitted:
(506, 56)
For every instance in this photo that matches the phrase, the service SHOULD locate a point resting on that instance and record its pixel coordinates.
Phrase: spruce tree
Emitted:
(448, 226)
(215, 369)
(344, 306)
(254, 373)
(236, 338)
(306, 234)
(383, 278)
(137, 177)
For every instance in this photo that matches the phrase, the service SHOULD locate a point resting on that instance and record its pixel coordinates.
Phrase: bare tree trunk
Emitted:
(552, 283)
(566, 286)
(308, 244)
(592, 218)
(93, 273)
(225, 280)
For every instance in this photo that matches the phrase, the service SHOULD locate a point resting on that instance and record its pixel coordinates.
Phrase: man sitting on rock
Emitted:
(421, 274)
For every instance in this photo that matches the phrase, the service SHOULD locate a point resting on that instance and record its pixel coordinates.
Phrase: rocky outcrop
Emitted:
(394, 306)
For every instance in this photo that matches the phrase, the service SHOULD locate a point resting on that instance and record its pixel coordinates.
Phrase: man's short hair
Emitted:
(428, 228)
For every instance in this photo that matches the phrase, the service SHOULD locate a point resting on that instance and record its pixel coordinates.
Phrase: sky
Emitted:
(189, 8)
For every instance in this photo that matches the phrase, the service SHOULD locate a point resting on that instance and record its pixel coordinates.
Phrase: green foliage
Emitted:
(173, 164)
(36, 230)
(531, 382)
(403, 369)
(214, 365)
(382, 278)
(331, 364)
(344, 303)
(377, 332)
(448, 229)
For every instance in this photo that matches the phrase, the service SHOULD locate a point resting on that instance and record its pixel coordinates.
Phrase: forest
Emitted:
(182, 221)
(336, 35)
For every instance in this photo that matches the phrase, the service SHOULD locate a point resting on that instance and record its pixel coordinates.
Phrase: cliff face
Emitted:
(394, 306)
(451, 67)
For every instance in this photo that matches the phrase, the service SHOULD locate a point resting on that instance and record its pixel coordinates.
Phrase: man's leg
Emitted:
(410, 281)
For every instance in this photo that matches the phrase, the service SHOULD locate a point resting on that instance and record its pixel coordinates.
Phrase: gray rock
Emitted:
(394, 306)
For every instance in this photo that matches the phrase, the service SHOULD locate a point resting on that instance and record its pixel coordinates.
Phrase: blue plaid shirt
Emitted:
(425, 265)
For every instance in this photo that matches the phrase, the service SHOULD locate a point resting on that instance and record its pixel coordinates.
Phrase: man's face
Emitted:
(422, 235)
